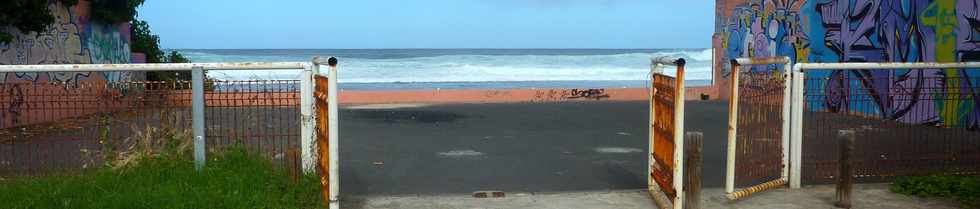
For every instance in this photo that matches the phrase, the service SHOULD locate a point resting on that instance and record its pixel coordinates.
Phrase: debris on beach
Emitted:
(486, 194)
(617, 150)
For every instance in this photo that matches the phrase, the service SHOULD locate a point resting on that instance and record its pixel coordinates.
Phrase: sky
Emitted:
(356, 24)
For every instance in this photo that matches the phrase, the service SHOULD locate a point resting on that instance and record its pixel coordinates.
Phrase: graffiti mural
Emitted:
(107, 46)
(870, 31)
(71, 39)
(60, 43)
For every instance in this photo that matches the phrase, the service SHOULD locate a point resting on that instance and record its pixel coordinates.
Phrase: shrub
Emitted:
(965, 189)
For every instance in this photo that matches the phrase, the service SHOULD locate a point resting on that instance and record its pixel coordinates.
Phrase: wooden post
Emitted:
(845, 174)
(692, 169)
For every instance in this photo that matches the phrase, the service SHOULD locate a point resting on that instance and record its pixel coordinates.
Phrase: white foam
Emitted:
(460, 153)
(479, 68)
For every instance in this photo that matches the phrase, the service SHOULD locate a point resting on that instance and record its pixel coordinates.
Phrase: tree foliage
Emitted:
(34, 16)
(115, 11)
(26, 15)
(144, 41)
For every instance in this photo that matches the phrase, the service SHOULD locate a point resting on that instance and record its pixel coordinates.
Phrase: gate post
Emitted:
(307, 119)
(197, 106)
(732, 129)
(334, 141)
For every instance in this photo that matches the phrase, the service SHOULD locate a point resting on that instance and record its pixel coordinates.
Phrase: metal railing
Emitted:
(924, 128)
(909, 122)
(49, 125)
(666, 148)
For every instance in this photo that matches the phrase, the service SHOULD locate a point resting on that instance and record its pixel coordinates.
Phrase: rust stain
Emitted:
(663, 133)
(322, 133)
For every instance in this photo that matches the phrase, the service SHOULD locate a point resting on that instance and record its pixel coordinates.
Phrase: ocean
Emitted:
(469, 68)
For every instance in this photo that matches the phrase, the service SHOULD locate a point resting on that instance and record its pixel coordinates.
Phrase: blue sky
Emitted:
(248, 24)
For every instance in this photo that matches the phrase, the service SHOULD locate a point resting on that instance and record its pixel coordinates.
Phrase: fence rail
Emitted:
(913, 127)
(48, 126)
(910, 118)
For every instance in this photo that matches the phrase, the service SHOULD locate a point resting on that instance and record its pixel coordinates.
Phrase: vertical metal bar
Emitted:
(197, 95)
(796, 135)
(787, 94)
(732, 129)
(307, 120)
(334, 136)
(679, 138)
(650, 128)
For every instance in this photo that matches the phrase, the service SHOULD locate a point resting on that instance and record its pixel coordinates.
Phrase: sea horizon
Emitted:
(465, 68)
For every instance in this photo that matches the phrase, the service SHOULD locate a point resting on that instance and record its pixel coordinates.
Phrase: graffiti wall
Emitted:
(866, 31)
(72, 39)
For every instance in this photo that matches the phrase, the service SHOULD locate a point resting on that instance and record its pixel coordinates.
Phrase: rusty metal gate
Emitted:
(758, 138)
(666, 134)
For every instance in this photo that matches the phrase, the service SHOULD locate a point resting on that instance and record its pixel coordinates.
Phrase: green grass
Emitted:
(965, 189)
(231, 179)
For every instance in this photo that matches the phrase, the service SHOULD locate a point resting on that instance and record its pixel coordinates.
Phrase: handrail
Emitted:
(154, 67)
(800, 67)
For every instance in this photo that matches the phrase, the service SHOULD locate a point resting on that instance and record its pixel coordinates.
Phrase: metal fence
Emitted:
(909, 122)
(48, 127)
(910, 118)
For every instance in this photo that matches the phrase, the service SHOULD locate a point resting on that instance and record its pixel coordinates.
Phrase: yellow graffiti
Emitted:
(941, 16)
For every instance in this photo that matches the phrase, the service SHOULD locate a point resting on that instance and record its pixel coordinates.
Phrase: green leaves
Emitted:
(965, 189)
(115, 11)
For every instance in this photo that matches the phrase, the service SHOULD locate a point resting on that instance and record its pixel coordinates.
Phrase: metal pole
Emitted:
(732, 128)
(796, 134)
(787, 105)
(679, 138)
(197, 86)
(307, 119)
(650, 128)
(334, 135)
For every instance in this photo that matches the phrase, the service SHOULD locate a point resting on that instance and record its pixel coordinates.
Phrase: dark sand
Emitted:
(521, 147)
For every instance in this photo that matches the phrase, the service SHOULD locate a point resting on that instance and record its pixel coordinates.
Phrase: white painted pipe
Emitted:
(334, 141)
(732, 131)
(785, 116)
(651, 132)
(154, 67)
(796, 134)
(307, 120)
(197, 121)
(883, 65)
(679, 137)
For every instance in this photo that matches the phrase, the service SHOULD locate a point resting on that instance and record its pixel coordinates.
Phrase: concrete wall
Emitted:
(27, 98)
(864, 31)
